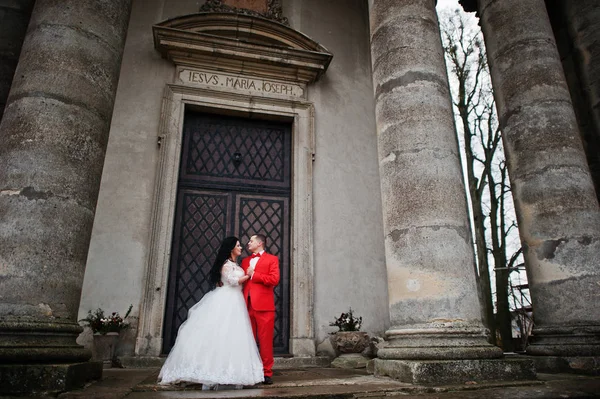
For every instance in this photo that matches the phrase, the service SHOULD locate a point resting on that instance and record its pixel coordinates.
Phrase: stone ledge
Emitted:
(17, 379)
(286, 363)
(589, 365)
(455, 371)
(281, 363)
(141, 362)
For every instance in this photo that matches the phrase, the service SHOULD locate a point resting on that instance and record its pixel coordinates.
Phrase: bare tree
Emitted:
(488, 187)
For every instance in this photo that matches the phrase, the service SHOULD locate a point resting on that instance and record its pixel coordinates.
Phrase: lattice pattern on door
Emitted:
(198, 232)
(235, 151)
(266, 216)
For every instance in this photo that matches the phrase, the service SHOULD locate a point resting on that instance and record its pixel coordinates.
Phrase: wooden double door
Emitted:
(234, 179)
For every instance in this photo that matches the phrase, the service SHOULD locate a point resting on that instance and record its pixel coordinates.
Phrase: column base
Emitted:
(565, 341)
(449, 341)
(455, 371)
(35, 342)
(18, 379)
(589, 365)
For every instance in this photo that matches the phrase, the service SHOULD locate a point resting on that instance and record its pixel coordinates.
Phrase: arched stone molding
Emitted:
(241, 44)
(251, 67)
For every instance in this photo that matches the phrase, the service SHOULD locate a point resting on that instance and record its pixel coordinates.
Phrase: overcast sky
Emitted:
(451, 5)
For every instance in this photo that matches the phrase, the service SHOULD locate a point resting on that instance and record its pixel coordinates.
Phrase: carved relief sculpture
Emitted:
(274, 10)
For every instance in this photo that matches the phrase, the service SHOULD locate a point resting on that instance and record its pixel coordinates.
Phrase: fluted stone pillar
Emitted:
(555, 201)
(433, 302)
(52, 144)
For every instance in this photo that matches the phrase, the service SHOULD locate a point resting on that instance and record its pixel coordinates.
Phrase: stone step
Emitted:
(281, 363)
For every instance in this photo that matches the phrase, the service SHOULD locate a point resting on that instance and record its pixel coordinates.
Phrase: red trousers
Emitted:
(263, 326)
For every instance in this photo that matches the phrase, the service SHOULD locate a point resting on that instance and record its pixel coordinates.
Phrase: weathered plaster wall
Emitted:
(348, 252)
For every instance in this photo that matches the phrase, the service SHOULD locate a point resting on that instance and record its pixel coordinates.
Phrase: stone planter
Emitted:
(105, 346)
(349, 341)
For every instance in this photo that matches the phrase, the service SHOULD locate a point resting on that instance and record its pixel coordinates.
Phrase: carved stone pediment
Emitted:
(241, 44)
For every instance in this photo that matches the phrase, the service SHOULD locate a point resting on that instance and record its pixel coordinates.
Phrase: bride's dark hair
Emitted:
(223, 254)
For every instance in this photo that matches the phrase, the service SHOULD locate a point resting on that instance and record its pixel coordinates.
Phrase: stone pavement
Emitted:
(321, 383)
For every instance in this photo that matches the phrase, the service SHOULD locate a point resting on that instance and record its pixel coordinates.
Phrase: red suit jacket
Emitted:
(260, 286)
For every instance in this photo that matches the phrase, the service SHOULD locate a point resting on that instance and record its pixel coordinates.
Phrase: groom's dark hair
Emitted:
(262, 239)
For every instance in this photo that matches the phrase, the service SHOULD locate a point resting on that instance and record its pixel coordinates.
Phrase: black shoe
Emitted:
(268, 380)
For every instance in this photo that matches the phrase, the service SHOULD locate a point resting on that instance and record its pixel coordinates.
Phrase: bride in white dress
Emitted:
(215, 345)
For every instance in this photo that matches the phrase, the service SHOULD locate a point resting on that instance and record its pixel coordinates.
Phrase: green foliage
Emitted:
(100, 323)
(347, 322)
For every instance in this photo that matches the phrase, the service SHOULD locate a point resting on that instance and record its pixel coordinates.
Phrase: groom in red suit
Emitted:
(263, 269)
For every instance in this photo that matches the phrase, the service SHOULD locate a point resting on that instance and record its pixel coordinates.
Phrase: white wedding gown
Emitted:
(215, 345)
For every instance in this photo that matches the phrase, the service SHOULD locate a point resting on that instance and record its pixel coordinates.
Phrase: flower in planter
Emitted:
(102, 324)
(347, 322)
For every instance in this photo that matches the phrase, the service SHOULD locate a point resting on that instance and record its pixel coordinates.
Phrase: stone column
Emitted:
(555, 201)
(433, 303)
(52, 145)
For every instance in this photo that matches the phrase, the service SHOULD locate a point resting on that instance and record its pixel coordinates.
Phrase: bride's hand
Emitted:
(243, 279)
